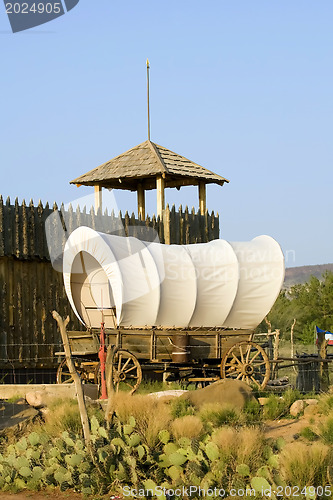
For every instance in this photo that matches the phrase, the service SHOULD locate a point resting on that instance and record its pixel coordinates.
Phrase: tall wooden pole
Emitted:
(148, 104)
(202, 197)
(75, 376)
(98, 198)
(141, 202)
(160, 195)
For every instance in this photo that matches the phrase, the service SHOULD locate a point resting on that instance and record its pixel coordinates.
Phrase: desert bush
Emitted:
(305, 465)
(250, 444)
(275, 407)
(151, 415)
(225, 439)
(240, 446)
(62, 415)
(325, 404)
(215, 415)
(188, 426)
(252, 413)
(290, 396)
(309, 434)
(326, 431)
(180, 407)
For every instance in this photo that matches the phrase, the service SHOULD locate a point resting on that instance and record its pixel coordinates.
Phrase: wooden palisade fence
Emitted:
(30, 287)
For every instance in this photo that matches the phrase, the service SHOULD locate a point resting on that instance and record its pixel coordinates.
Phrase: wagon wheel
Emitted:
(248, 362)
(63, 375)
(125, 373)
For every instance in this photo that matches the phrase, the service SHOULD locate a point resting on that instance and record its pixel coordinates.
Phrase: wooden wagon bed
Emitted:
(199, 356)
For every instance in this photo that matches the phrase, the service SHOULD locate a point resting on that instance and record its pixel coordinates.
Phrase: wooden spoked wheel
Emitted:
(85, 371)
(125, 373)
(248, 362)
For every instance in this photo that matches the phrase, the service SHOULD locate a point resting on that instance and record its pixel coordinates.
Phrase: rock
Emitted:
(36, 399)
(14, 417)
(310, 411)
(44, 411)
(263, 401)
(297, 407)
(20, 401)
(311, 401)
(174, 393)
(230, 392)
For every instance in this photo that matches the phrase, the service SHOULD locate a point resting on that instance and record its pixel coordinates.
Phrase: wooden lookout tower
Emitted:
(149, 166)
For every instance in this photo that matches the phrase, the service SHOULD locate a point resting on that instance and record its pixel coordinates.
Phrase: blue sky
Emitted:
(241, 87)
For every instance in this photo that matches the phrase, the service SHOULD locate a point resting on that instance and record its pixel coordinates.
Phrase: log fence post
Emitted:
(62, 324)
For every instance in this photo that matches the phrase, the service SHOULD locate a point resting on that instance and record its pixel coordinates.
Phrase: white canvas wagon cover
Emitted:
(142, 284)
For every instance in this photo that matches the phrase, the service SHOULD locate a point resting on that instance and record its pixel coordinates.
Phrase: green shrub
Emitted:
(290, 396)
(275, 407)
(180, 407)
(309, 434)
(252, 413)
(216, 415)
(62, 415)
(325, 404)
(326, 431)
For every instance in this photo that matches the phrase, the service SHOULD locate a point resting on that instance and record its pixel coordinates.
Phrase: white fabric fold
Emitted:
(213, 284)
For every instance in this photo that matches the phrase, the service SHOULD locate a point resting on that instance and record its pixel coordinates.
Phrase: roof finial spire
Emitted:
(148, 66)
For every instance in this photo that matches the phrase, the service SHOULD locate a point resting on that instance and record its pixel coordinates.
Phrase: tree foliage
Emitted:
(310, 303)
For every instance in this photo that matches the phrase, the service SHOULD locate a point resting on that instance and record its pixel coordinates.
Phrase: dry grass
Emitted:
(62, 415)
(151, 415)
(225, 438)
(250, 445)
(305, 465)
(326, 430)
(188, 426)
(325, 403)
(240, 446)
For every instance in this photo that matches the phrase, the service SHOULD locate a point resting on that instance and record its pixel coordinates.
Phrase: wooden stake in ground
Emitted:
(76, 377)
(276, 352)
(269, 338)
(322, 351)
(292, 342)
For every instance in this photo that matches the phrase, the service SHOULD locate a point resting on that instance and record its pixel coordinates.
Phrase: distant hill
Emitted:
(298, 275)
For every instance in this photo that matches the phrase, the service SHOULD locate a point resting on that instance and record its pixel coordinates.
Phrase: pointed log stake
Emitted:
(76, 377)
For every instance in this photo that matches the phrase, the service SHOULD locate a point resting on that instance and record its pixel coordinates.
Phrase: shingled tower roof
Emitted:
(142, 164)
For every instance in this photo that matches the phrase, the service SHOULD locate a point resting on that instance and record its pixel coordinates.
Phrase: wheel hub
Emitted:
(248, 370)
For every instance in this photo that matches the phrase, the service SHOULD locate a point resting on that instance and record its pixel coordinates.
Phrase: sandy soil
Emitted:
(40, 495)
(289, 430)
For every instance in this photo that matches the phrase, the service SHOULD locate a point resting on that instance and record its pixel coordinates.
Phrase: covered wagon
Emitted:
(187, 311)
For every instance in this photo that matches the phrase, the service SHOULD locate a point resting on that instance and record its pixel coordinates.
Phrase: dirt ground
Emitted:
(48, 495)
(40, 495)
(289, 430)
